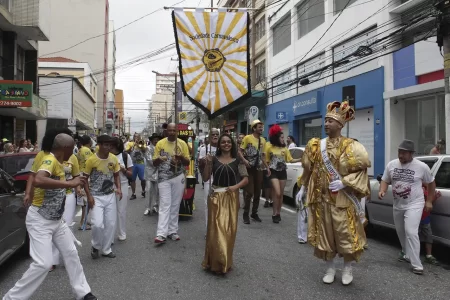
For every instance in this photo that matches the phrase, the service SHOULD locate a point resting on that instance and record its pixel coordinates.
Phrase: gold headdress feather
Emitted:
(341, 112)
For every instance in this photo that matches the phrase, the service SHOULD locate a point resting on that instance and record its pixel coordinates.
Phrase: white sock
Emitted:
(330, 264)
(347, 265)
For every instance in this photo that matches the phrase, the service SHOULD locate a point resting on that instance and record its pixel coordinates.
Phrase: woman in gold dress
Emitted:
(229, 175)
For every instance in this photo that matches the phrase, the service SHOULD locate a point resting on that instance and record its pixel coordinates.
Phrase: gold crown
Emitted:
(341, 112)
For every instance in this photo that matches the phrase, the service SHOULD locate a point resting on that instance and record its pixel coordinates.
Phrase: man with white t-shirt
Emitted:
(406, 174)
(211, 150)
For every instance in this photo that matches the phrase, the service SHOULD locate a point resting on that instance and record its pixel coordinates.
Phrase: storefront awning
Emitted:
(257, 97)
(83, 126)
(37, 111)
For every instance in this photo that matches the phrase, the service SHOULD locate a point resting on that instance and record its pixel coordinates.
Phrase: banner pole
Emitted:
(176, 119)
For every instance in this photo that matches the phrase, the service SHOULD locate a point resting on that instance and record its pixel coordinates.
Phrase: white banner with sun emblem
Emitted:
(213, 50)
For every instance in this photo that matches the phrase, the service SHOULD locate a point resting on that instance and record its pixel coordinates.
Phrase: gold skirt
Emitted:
(223, 210)
(333, 230)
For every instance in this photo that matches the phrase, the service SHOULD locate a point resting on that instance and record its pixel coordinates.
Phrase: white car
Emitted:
(294, 170)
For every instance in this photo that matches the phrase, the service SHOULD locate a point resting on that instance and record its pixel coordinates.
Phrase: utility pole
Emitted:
(443, 39)
(197, 120)
(129, 125)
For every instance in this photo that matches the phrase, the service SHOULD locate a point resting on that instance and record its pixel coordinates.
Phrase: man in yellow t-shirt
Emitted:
(83, 155)
(171, 157)
(251, 153)
(44, 225)
(103, 170)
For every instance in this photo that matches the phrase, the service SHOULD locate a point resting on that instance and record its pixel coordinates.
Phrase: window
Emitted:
(282, 35)
(260, 72)
(443, 176)
(340, 4)
(310, 15)
(425, 122)
(260, 28)
(296, 153)
(429, 162)
(281, 87)
(20, 63)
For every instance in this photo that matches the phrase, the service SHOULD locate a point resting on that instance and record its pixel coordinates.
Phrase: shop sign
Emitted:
(305, 106)
(253, 114)
(15, 93)
(281, 116)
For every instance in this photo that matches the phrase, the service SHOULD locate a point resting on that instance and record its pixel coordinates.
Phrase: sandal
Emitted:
(88, 227)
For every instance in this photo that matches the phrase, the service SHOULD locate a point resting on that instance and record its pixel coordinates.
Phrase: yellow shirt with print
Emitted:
(83, 155)
(101, 174)
(71, 169)
(129, 146)
(277, 157)
(250, 148)
(166, 148)
(37, 162)
(50, 201)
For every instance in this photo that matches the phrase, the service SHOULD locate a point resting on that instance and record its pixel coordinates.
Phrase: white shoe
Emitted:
(122, 238)
(329, 276)
(301, 241)
(347, 276)
(147, 212)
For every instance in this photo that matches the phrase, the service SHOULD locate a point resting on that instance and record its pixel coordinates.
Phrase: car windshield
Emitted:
(15, 163)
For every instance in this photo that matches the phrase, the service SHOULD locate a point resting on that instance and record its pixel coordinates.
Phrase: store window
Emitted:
(311, 128)
(425, 122)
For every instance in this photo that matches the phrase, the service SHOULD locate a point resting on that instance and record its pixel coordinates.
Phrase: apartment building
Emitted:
(69, 28)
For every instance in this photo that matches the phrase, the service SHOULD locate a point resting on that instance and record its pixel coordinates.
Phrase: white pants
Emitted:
(170, 195)
(104, 217)
(152, 193)
(205, 196)
(407, 225)
(69, 213)
(42, 233)
(121, 223)
(302, 225)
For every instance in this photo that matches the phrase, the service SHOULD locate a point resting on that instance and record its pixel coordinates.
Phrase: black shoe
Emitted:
(143, 194)
(246, 219)
(89, 297)
(279, 218)
(94, 253)
(133, 197)
(266, 204)
(275, 219)
(256, 217)
(271, 203)
(110, 255)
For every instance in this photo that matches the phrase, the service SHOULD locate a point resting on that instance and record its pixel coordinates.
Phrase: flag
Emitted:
(214, 58)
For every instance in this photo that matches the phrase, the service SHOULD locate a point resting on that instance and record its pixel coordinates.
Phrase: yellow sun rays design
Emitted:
(214, 88)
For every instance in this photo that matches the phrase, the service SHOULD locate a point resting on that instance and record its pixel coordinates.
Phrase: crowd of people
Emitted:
(8, 147)
(331, 217)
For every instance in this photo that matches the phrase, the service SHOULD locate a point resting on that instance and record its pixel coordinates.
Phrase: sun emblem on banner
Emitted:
(213, 60)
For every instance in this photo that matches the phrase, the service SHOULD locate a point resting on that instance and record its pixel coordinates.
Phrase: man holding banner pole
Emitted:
(335, 178)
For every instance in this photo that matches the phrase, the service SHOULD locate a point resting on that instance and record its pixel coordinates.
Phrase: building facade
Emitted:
(64, 17)
(111, 88)
(22, 24)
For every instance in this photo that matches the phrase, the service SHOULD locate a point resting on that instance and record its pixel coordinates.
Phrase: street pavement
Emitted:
(269, 263)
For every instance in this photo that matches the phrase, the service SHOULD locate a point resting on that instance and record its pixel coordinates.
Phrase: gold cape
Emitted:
(333, 224)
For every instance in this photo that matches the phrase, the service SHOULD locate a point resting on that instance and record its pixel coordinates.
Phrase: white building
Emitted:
(77, 21)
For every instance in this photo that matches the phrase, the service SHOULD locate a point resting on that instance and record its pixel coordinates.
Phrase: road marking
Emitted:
(282, 207)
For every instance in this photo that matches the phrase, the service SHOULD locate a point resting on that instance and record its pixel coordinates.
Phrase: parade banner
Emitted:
(214, 58)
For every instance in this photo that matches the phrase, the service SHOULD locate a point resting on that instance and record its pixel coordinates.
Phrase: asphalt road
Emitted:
(268, 264)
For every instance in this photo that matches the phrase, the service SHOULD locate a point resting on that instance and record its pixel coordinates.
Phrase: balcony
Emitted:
(30, 19)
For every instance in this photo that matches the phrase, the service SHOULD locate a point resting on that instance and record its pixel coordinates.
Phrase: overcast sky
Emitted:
(148, 34)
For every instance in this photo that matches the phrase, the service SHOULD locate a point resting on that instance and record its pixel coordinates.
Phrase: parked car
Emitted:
(13, 232)
(379, 212)
(18, 165)
(294, 170)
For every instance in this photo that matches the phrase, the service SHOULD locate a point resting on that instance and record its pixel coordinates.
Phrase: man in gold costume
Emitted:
(335, 180)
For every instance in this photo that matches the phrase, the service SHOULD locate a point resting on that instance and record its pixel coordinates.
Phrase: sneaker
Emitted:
(301, 241)
(279, 218)
(94, 253)
(329, 276)
(147, 212)
(275, 219)
(347, 276)
(402, 257)
(417, 271)
(246, 218)
(256, 217)
(133, 197)
(266, 204)
(122, 238)
(160, 239)
(174, 237)
(89, 297)
(143, 194)
(155, 209)
(110, 255)
(52, 268)
(431, 260)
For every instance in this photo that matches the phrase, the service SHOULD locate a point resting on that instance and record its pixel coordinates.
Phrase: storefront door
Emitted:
(310, 128)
